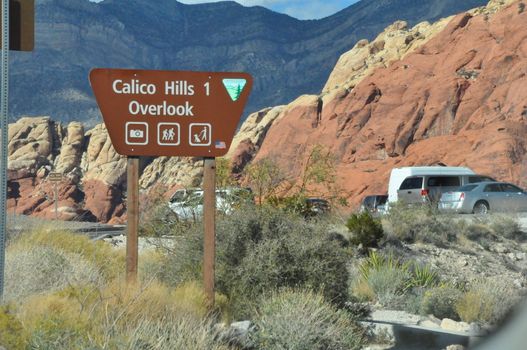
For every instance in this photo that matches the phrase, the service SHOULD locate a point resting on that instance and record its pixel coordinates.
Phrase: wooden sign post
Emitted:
(132, 212)
(171, 113)
(209, 224)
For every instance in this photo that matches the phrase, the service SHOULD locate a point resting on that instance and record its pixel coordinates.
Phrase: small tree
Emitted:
(366, 230)
(319, 177)
(265, 178)
(224, 176)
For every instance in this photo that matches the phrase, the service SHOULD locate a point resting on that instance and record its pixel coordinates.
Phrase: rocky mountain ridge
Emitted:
(74, 36)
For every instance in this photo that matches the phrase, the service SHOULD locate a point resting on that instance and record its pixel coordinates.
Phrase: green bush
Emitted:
(366, 230)
(298, 320)
(441, 302)
(260, 249)
(419, 223)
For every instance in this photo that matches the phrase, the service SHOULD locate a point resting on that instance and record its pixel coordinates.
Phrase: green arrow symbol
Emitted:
(234, 87)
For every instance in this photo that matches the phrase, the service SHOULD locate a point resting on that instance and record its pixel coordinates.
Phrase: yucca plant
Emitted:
(422, 276)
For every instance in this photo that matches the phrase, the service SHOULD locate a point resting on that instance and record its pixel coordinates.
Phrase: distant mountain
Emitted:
(287, 57)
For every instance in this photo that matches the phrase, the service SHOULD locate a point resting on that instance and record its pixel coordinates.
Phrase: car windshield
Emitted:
(195, 198)
(179, 196)
(467, 188)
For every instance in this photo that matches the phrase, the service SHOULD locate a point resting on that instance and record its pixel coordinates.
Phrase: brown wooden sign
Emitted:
(170, 113)
(55, 177)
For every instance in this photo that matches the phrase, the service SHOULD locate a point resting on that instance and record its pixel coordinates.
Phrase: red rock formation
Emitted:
(460, 100)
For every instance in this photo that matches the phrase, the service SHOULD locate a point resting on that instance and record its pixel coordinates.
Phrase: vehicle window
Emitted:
(510, 188)
(179, 196)
(412, 183)
(195, 199)
(443, 181)
(369, 201)
(492, 188)
(479, 178)
(467, 188)
(381, 200)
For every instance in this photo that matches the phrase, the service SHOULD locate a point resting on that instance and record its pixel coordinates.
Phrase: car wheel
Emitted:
(481, 208)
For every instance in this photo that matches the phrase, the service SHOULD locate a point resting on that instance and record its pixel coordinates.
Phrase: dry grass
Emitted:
(107, 260)
(488, 300)
(43, 269)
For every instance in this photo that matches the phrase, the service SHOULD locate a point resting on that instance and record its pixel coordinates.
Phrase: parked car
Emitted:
(374, 204)
(426, 184)
(188, 204)
(318, 206)
(480, 198)
(181, 195)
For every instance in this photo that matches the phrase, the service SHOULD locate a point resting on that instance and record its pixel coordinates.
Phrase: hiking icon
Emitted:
(168, 134)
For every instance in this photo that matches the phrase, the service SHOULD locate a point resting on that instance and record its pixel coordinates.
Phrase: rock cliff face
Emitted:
(451, 92)
(93, 183)
(458, 100)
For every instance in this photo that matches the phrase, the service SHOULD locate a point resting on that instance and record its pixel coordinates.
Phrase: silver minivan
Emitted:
(429, 188)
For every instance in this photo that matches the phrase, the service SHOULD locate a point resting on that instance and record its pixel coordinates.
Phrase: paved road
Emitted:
(18, 223)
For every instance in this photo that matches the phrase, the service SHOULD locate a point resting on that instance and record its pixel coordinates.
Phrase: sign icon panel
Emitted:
(168, 134)
(136, 133)
(199, 134)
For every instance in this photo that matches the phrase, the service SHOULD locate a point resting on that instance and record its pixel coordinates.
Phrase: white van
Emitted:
(427, 183)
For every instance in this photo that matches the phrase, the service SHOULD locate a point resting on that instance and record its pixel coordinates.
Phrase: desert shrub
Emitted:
(488, 300)
(478, 232)
(96, 317)
(12, 333)
(282, 262)
(109, 262)
(258, 249)
(39, 269)
(298, 320)
(386, 276)
(174, 332)
(441, 302)
(506, 226)
(390, 280)
(54, 321)
(362, 290)
(269, 249)
(365, 229)
(419, 223)
(414, 300)
(388, 284)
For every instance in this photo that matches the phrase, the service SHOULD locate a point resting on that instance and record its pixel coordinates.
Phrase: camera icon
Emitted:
(136, 133)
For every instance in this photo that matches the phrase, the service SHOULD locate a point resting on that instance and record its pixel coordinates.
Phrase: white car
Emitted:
(188, 203)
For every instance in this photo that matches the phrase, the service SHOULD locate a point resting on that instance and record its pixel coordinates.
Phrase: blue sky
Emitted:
(302, 9)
